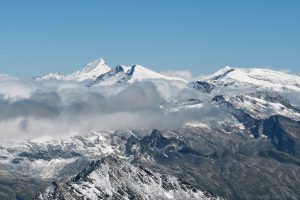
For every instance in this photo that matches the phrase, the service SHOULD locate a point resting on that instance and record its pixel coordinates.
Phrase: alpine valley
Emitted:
(128, 132)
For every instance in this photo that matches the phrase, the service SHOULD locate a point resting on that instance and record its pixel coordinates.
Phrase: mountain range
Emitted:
(100, 73)
(234, 134)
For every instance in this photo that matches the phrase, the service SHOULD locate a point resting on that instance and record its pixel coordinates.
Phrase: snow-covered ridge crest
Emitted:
(103, 74)
(258, 77)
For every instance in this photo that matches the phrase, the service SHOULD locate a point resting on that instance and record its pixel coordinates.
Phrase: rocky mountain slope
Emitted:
(115, 178)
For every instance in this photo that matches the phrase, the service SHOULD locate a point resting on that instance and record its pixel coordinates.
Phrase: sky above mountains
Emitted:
(38, 37)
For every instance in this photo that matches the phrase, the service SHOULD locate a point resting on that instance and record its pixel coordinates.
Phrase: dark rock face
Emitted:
(117, 70)
(156, 141)
(284, 134)
(189, 102)
(202, 86)
(128, 74)
(223, 75)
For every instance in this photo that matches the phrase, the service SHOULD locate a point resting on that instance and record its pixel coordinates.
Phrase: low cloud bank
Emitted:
(54, 108)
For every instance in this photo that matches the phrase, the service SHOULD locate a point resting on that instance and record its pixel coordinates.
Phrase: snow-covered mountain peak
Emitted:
(90, 71)
(257, 77)
(138, 73)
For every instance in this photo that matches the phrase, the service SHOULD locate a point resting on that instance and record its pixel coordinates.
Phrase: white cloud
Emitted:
(185, 74)
(57, 108)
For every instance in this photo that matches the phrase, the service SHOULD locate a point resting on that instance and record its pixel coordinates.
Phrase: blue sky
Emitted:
(37, 37)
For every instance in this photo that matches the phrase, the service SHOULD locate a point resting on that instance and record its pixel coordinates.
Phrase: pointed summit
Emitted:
(93, 65)
(90, 71)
